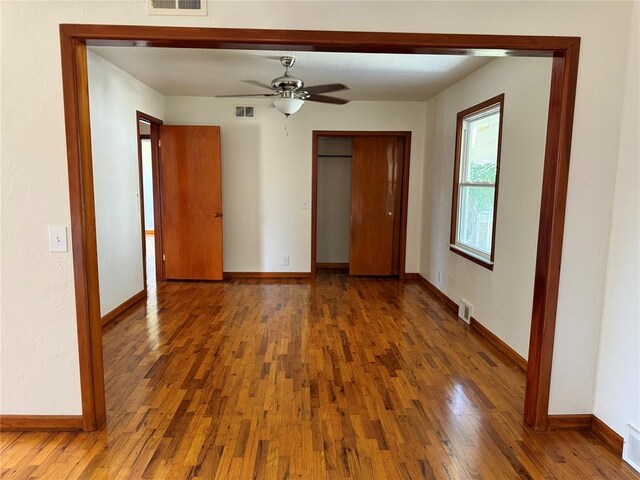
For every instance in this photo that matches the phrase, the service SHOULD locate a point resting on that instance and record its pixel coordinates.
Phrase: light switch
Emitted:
(305, 204)
(57, 238)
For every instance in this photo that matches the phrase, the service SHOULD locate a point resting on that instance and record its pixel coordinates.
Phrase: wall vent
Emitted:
(631, 449)
(177, 7)
(465, 310)
(244, 111)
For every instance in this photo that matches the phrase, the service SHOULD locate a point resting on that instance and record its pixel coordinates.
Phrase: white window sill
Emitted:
(473, 255)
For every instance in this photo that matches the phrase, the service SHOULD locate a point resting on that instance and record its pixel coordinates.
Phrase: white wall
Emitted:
(502, 298)
(617, 400)
(334, 200)
(38, 330)
(114, 97)
(147, 184)
(266, 174)
(334, 210)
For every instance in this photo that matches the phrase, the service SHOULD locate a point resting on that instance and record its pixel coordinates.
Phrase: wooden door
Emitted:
(376, 185)
(191, 184)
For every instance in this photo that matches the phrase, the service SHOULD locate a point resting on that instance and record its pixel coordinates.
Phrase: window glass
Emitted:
(475, 225)
(482, 148)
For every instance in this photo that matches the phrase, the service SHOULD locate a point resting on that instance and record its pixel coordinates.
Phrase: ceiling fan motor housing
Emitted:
(287, 83)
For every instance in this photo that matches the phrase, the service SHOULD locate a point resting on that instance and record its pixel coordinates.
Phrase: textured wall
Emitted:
(266, 173)
(618, 387)
(38, 330)
(502, 299)
(114, 98)
(334, 210)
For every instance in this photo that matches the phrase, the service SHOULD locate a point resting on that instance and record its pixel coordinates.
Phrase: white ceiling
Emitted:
(198, 72)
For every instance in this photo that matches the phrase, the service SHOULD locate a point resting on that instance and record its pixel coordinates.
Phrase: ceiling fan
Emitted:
(290, 93)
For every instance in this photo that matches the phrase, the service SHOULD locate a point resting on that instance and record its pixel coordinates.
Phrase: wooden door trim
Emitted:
(154, 137)
(404, 194)
(563, 50)
(83, 227)
(41, 423)
(406, 165)
(555, 180)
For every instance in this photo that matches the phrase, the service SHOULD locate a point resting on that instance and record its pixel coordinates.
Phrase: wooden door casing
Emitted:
(154, 137)
(191, 183)
(565, 52)
(376, 184)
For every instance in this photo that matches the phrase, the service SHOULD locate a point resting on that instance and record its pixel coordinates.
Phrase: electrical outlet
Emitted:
(57, 238)
(285, 260)
(305, 204)
(439, 276)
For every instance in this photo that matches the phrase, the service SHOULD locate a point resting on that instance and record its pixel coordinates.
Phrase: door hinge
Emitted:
(159, 143)
(164, 258)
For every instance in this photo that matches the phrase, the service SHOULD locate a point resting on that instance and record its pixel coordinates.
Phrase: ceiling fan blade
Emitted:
(258, 84)
(327, 99)
(328, 88)
(250, 95)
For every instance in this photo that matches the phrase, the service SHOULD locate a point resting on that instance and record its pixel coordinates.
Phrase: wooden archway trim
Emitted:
(564, 50)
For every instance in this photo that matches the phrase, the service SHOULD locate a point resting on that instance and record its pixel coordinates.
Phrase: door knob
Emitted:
(217, 214)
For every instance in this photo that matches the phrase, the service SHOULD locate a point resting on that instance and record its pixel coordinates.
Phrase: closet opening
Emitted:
(333, 214)
(359, 202)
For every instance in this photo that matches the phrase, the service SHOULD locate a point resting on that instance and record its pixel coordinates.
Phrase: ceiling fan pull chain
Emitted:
(286, 132)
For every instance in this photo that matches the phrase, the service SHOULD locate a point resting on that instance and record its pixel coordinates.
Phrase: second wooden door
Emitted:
(376, 184)
(191, 186)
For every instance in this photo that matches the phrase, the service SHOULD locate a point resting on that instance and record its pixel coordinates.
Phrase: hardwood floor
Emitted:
(338, 378)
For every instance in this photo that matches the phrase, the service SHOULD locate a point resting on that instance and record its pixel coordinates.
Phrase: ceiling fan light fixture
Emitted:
(288, 105)
(290, 92)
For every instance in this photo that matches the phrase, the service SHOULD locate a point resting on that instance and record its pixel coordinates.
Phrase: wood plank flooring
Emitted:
(339, 378)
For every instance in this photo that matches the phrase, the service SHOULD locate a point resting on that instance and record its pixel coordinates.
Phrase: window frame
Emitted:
(463, 250)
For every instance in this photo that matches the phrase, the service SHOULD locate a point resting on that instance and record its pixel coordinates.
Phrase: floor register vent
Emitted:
(465, 310)
(631, 449)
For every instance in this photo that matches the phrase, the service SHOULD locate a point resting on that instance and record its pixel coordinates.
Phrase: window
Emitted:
(475, 181)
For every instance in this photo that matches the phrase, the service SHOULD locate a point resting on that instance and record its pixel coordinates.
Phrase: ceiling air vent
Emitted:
(244, 111)
(177, 7)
